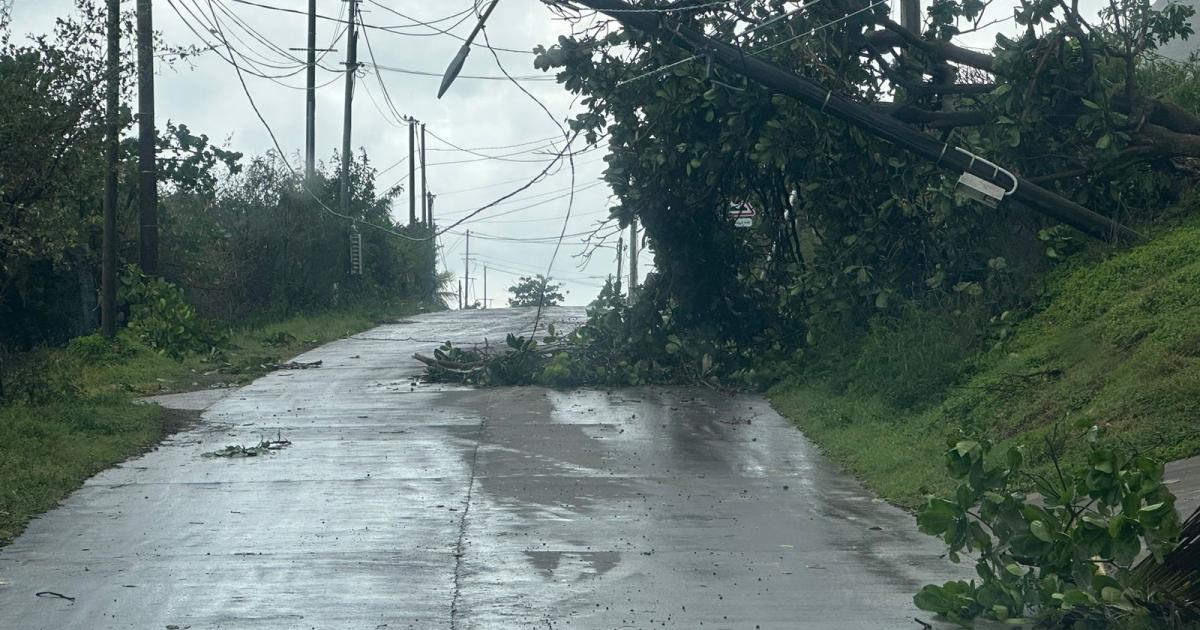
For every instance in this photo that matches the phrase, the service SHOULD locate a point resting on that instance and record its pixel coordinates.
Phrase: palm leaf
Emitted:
(1174, 583)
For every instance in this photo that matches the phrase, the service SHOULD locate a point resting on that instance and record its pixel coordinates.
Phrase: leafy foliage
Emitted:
(850, 227)
(162, 319)
(1068, 560)
(535, 292)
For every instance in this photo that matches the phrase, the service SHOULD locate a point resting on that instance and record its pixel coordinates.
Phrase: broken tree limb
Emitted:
(851, 112)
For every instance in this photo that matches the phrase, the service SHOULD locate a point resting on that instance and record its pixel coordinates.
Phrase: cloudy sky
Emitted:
(490, 117)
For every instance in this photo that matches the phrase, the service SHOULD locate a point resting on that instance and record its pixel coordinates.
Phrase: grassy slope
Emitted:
(47, 451)
(1116, 343)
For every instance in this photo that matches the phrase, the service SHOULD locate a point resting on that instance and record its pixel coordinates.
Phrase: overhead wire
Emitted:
(283, 156)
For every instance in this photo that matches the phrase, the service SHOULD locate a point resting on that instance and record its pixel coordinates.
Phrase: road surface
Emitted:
(406, 505)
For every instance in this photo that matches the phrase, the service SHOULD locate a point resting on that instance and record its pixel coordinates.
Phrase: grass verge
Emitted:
(74, 416)
(1115, 342)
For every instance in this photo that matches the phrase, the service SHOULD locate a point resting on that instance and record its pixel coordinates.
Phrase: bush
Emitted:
(98, 349)
(1068, 562)
(161, 318)
(40, 377)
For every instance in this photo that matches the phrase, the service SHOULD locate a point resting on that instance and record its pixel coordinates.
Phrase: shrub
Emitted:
(96, 348)
(161, 318)
(1068, 562)
(40, 377)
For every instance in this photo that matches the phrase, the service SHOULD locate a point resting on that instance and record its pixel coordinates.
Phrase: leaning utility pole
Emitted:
(412, 171)
(424, 190)
(879, 125)
(348, 120)
(310, 118)
(108, 263)
(633, 256)
(147, 140)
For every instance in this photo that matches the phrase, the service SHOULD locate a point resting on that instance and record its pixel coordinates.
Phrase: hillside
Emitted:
(1115, 341)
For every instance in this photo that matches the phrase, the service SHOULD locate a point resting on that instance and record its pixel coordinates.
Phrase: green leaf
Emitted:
(1017, 569)
(1040, 531)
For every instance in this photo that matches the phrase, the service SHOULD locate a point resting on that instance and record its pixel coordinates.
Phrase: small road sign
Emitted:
(744, 222)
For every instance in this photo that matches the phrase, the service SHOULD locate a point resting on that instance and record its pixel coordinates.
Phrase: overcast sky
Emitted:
(476, 113)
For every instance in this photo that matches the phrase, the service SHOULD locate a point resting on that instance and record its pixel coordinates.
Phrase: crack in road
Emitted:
(459, 550)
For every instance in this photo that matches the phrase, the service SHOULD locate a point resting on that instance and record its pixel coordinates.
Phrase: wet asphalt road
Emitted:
(419, 506)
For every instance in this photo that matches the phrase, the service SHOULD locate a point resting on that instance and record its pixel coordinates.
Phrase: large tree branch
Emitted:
(896, 36)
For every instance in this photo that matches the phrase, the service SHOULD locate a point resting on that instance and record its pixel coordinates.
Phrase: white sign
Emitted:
(742, 210)
(744, 222)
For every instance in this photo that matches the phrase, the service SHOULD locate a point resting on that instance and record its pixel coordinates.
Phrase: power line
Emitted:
(283, 156)
(394, 30)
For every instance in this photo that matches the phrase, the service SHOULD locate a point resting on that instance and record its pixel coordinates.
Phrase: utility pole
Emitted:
(880, 125)
(467, 267)
(147, 151)
(620, 261)
(485, 298)
(910, 15)
(460, 296)
(310, 118)
(633, 258)
(424, 190)
(412, 171)
(429, 197)
(348, 120)
(108, 264)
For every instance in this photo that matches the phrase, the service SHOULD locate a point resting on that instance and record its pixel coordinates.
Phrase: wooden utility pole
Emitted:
(633, 258)
(879, 125)
(108, 264)
(348, 114)
(460, 295)
(485, 297)
(310, 110)
(412, 171)
(424, 186)
(147, 141)
(620, 261)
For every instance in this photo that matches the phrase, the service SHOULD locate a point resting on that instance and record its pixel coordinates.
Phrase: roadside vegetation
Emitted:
(897, 320)
(254, 268)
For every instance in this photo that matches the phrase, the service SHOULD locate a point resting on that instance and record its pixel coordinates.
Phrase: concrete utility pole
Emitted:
(147, 141)
(429, 197)
(485, 295)
(467, 267)
(412, 171)
(108, 264)
(424, 187)
(874, 123)
(460, 295)
(310, 110)
(910, 15)
(348, 120)
(633, 258)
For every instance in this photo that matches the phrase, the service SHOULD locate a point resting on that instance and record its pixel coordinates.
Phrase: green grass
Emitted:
(76, 416)
(1115, 342)
(243, 357)
(48, 450)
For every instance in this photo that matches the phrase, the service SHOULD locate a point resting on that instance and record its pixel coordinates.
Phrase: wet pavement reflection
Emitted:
(408, 505)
